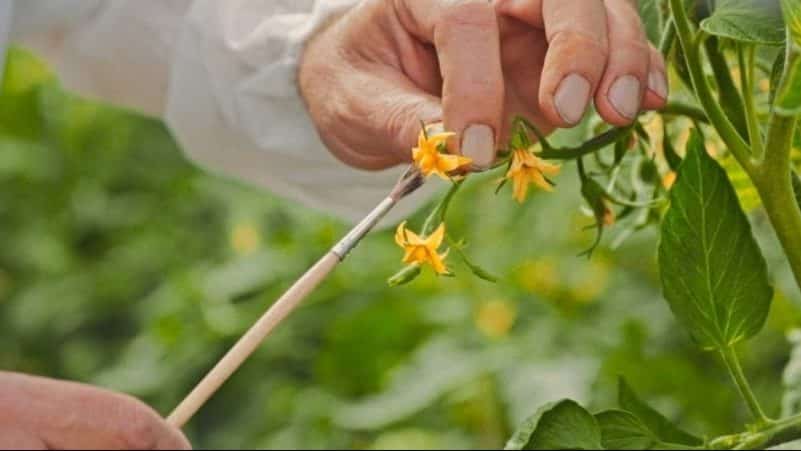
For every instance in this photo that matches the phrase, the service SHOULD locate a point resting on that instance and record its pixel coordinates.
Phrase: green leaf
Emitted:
(662, 428)
(651, 15)
(750, 21)
(776, 74)
(792, 18)
(713, 273)
(560, 425)
(622, 430)
(788, 99)
(732, 102)
(595, 196)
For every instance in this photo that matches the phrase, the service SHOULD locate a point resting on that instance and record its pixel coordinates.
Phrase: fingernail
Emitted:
(478, 143)
(658, 84)
(625, 96)
(572, 97)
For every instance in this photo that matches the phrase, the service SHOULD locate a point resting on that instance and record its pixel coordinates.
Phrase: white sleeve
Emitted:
(222, 74)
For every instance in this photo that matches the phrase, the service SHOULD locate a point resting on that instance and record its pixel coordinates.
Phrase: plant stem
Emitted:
(775, 186)
(684, 109)
(691, 46)
(745, 57)
(736, 370)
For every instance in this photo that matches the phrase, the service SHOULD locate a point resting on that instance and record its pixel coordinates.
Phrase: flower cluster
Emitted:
(525, 162)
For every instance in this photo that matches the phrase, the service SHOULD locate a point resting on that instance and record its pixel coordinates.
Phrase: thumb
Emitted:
(377, 119)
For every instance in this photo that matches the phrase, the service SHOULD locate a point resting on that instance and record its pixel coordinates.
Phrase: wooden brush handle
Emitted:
(251, 340)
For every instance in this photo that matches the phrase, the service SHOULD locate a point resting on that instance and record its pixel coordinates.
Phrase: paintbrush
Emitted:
(410, 181)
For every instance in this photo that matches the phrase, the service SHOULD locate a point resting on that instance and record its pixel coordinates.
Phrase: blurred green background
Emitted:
(123, 265)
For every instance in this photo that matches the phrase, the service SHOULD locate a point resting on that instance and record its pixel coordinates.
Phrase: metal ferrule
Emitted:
(346, 244)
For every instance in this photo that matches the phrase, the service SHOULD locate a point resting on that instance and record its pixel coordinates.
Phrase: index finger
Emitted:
(466, 36)
(577, 54)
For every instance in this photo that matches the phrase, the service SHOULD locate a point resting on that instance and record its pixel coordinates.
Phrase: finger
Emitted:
(620, 96)
(466, 36)
(376, 113)
(68, 416)
(13, 437)
(657, 94)
(576, 31)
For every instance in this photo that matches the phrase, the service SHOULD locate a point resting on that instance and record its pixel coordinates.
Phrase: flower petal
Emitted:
(539, 180)
(437, 262)
(400, 235)
(434, 241)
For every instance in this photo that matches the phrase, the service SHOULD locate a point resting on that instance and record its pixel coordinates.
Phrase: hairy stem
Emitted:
(736, 371)
(775, 186)
(703, 91)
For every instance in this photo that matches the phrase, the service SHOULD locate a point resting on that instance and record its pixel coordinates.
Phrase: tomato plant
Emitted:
(713, 273)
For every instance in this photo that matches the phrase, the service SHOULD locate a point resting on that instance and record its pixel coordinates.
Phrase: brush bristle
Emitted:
(409, 182)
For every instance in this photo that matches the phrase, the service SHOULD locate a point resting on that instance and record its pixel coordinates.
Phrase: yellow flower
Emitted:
(528, 169)
(495, 318)
(422, 250)
(430, 160)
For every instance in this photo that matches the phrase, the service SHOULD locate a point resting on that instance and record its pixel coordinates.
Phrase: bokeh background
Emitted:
(123, 265)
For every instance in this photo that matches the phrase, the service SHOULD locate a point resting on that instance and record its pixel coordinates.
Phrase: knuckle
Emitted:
(469, 12)
(574, 43)
(397, 120)
(466, 15)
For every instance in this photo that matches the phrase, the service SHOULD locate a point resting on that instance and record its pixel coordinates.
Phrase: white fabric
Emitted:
(222, 73)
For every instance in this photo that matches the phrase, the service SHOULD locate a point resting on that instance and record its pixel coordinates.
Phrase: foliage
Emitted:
(713, 273)
(125, 266)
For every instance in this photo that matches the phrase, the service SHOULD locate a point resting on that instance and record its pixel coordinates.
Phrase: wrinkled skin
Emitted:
(373, 74)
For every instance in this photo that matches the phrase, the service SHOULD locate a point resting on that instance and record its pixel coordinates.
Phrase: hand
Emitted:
(37, 413)
(374, 74)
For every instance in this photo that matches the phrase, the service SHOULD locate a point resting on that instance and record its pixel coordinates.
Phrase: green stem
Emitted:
(691, 46)
(745, 57)
(775, 185)
(677, 108)
(736, 371)
(437, 215)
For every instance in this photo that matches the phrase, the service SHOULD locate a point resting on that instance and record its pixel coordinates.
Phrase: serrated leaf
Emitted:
(749, 21)
(560, 425)
(788, 98)
(622, 430)
(651, 15)
(662, 428)
(713, 273)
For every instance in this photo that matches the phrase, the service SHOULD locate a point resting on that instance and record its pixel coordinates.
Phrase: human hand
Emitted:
(38, 413)
(373, 75)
